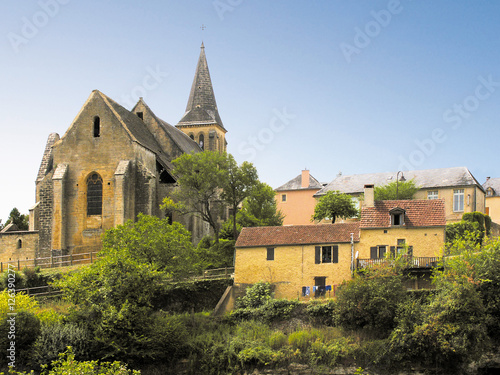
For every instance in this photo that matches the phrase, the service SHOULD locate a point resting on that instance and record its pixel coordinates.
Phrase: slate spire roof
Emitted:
(201, 108)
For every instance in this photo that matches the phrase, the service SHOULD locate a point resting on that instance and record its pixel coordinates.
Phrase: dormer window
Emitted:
(97, 127)
(489, 192)
(397, 216)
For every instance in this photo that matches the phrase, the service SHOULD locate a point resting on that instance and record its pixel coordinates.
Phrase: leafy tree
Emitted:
(116, 295)
(334, 204)
(473, 227)
(238, 185)
(200, 177)
(15, 217)
(260, 208)
(153, 241)
(404, 189)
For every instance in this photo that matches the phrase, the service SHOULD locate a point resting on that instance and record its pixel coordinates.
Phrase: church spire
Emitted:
(201, 108)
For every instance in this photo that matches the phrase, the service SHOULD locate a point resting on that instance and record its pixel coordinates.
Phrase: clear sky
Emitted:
(350, 86)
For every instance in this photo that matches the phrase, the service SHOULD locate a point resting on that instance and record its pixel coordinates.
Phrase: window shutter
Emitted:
(317, 258)
(373, 252)
(393, 251)
(335, 255)
(270, 253)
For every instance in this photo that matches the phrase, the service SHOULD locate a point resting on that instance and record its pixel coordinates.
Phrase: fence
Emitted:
(217, 273)
(50, 262)
(41, 291)
(410, 262)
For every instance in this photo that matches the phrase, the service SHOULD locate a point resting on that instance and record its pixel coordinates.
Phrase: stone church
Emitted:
(112, 164)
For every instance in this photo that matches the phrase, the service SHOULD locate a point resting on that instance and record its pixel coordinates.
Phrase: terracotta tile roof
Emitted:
(298, 235)
(418, 213)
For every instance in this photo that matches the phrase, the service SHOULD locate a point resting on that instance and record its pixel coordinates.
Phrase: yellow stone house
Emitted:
(492, 189)
(305, 261)
(301, 261)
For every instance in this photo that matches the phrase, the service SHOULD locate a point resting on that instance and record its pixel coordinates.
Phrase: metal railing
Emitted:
(50, 262)
(408, 262)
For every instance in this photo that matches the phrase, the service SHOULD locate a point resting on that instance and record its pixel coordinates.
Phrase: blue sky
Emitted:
(350, 86)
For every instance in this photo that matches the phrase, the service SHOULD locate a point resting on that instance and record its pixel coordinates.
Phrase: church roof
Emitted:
(201, 108)
(424, 179)
(181, 139)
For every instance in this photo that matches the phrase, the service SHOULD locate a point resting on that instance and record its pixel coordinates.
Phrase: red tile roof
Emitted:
(298, 235)
(418, 213)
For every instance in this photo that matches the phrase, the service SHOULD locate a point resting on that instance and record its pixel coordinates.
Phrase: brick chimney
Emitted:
(305, 178)
(369, 196)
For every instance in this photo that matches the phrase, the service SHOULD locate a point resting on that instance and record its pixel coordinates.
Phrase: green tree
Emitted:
(237, 186)
(15, 217)
(334, 204)
(200, 177)
(116, 295)
(395, 190)
(260, 208)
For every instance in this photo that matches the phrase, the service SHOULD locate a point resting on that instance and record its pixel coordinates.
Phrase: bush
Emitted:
(167, 336)
(56, 337)
(323, 313)
(256, 295)
(22, 330)
(370, 301)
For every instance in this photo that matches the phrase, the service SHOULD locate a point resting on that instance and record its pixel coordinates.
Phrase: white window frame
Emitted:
(433, 194)
(458, 200)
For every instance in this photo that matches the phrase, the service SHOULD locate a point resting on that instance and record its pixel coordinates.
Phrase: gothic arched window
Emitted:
(94, 194)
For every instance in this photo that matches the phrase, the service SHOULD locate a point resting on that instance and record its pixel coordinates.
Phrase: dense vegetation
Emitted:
(114, 324)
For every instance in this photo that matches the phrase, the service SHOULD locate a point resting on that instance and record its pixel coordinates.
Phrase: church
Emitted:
(112, 164)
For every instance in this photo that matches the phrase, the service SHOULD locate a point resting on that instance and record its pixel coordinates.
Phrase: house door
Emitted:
(320, 283)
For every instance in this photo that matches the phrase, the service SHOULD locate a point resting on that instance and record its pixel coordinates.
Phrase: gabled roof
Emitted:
(493, 183)
(181, 139)
(418, 213)
(298, 235)
(201, 108)
(424, 179)
(296, 184)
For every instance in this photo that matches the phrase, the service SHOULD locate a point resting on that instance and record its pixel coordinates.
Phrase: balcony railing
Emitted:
(408, 262)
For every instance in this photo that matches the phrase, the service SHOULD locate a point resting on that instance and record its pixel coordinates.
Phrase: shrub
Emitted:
(303, 339)
(323, 313)
(22, 302)
(56, 337)
(370, 301)
(256, 295)
(21, 329)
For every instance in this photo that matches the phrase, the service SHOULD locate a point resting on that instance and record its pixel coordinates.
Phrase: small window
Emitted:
(401, 248)
(378, 252)
(433, 194)
(397, 216)
(283, 197)
(458, 200)
(97, 127)
(19, 244)
(140, 115)
(191, 136)
(326, 254)
(270, 253)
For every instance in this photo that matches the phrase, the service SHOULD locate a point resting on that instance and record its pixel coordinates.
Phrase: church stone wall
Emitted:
(45, 211)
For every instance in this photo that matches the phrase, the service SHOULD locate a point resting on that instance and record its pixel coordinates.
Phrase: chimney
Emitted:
(369, 196)
(487, 178)
(305, 178)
